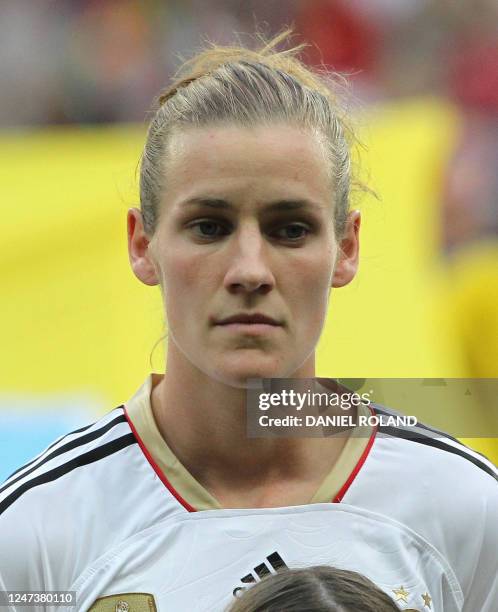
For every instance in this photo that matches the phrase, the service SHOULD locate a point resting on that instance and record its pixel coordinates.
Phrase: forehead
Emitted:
(257, 160)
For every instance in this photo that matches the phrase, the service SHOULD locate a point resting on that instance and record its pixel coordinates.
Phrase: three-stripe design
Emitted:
(275, 562)
(429, 436)
(32, 475)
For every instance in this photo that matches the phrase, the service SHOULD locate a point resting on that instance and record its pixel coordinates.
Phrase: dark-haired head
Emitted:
(315, 589)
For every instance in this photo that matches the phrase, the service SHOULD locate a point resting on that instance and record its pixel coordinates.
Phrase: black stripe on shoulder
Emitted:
(93, 435)
(70, 433)
(423, 429)
(442, 434)
(420, 438)
(85, 459)
(49, 447)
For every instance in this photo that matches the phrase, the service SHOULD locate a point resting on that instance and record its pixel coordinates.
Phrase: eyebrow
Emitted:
(278, 205)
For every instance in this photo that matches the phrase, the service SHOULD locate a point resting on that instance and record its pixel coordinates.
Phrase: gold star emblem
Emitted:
(401, 594)
(427, 600)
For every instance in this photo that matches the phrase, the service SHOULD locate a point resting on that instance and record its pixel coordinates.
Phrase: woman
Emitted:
(315, 589)
(165, 503)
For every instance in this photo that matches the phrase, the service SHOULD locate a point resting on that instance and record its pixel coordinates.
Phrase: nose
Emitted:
(248, 262)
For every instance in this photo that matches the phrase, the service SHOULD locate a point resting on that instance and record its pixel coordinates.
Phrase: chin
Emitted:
(237, 373)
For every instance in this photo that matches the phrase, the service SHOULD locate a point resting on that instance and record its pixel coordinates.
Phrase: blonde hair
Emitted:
(239, 86)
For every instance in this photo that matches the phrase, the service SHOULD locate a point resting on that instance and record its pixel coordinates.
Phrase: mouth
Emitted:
(249, 323)
(248, 319)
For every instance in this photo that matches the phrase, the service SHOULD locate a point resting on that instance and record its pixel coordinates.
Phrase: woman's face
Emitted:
(245, 230)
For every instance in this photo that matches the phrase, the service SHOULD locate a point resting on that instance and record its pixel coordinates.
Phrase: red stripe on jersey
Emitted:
(344, 489)
(156, 468)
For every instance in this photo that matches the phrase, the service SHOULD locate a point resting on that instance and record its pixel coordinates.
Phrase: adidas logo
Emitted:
(272, 564)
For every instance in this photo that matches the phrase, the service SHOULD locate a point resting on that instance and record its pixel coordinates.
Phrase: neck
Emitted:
(203, 421)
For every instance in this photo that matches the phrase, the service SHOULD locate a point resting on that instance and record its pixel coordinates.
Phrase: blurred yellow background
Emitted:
(77, 322)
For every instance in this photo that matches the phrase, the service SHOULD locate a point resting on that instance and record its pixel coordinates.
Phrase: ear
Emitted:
(138, 249)
(349, 248)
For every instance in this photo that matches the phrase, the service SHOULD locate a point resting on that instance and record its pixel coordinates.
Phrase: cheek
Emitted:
(185, 281)
(309, 300)
(312, 277)
(181, 272)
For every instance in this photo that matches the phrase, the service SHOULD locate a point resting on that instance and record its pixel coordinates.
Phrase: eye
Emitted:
(293, 232)
(208, 228)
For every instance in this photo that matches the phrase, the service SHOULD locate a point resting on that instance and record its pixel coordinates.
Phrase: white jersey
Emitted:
(108, 512)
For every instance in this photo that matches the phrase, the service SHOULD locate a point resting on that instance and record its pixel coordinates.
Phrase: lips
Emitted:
(248, 319)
